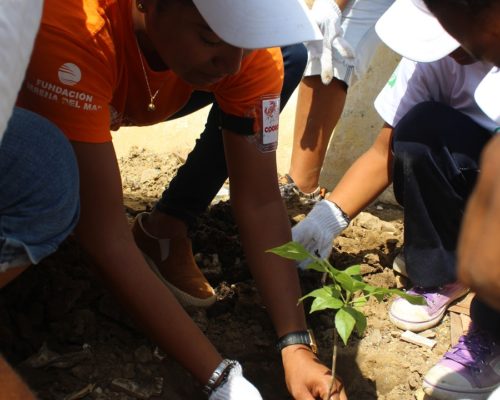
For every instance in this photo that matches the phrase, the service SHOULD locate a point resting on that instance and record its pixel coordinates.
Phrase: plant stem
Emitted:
(334, 363)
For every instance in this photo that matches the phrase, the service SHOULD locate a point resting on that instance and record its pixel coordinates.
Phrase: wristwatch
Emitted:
(299, 337)
(219, 375)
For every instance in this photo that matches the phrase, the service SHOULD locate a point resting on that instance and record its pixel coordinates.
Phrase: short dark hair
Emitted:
(471, 6)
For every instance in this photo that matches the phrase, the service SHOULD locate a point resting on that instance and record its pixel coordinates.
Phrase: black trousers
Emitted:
(436, 164)
(197, 181)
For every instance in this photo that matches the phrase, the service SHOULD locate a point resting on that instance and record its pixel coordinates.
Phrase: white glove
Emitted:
(317, 231)
(334, 48)
(236, 387)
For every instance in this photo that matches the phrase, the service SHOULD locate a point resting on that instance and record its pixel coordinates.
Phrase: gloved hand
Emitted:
(334, 48)
(236, 387)
(317, 231)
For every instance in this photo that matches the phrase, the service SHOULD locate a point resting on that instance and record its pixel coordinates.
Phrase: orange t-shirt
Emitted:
(86, 76)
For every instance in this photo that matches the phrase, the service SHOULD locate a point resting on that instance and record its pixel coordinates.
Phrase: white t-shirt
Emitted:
(19, 22)
(487, 94)
(444, 81)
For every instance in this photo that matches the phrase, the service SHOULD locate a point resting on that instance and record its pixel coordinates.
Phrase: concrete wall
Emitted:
(356, 131)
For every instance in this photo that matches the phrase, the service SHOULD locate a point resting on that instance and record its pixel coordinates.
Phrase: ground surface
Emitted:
(69, 339)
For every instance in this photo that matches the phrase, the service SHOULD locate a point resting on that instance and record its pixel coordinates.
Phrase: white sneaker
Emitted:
(418, 318)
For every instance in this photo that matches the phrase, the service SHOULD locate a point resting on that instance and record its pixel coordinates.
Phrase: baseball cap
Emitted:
(410, 29)
(254, 24)
(486, 94)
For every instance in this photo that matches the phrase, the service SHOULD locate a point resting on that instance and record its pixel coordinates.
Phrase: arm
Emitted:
(361, 184)
(104, 233)
(13, 388)
(478, 250)
(367, 177)
(263, 224)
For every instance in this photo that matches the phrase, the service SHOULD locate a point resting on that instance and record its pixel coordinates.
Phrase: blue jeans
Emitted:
(204, 172)
(436, 165)
(39, 190)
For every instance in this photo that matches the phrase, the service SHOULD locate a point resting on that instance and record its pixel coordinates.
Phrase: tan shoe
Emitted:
(173, 261)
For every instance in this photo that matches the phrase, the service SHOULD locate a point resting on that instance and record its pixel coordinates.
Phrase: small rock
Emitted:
(428, 334)
(150, 175)
(419, 394)
(80, 394)
(158, 354)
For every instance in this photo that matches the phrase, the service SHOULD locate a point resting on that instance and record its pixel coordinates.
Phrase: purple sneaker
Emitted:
(470, 369)
(417, 318)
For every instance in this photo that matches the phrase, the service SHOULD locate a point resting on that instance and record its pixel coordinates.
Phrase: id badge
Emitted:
(270, 118)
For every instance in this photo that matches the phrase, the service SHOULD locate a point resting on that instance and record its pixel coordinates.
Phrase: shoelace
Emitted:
(471, 350)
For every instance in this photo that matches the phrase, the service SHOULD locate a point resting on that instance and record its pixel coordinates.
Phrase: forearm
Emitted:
(262, 228)
(151, 304)
(104, 233)
(12, 387)
(478, 250)
(367, 177)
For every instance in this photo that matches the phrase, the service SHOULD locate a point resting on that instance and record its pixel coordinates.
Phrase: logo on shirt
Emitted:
(69, 74)
(270, 120)
(392, 80)
(271, 114)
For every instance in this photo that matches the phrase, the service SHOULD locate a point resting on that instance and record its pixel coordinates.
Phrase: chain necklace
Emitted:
(152, 97)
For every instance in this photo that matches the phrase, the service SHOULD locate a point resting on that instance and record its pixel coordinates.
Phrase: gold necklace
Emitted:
(152, 97)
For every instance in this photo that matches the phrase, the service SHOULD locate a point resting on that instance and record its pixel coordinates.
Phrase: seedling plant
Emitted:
(343, 293)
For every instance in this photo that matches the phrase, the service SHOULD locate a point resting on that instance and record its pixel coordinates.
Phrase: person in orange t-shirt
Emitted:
(101, 64)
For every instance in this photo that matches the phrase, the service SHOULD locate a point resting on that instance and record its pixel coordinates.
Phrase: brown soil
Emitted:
(70, 340)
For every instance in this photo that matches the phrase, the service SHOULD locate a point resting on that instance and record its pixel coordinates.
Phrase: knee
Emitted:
(61, 177)
(43, 189)
(428, 122)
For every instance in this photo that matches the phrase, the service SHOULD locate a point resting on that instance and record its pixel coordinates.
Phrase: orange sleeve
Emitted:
(260, 77)
(70, 81)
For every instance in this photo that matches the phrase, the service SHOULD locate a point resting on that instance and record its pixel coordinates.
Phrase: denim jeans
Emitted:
(39, 184)
(436, 164)
(204, 172)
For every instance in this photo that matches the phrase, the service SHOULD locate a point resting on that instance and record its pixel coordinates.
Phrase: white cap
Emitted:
(410, 29)
(255, 24)
(487, 93)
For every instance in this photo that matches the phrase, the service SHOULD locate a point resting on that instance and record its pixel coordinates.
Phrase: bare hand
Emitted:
(479, 249)
(306, 377)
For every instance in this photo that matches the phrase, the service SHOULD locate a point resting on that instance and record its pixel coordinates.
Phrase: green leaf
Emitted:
(377, 292)
(411, 298)
(317, 265)
(323, 303)
(345, 281)
(359, 302)
(344, 323)
(353, 270)
(291, 250)
(357, 283)
(359, 318)
(324, 292)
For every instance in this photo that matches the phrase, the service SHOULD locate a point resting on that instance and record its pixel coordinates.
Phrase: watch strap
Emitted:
(298, 337)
